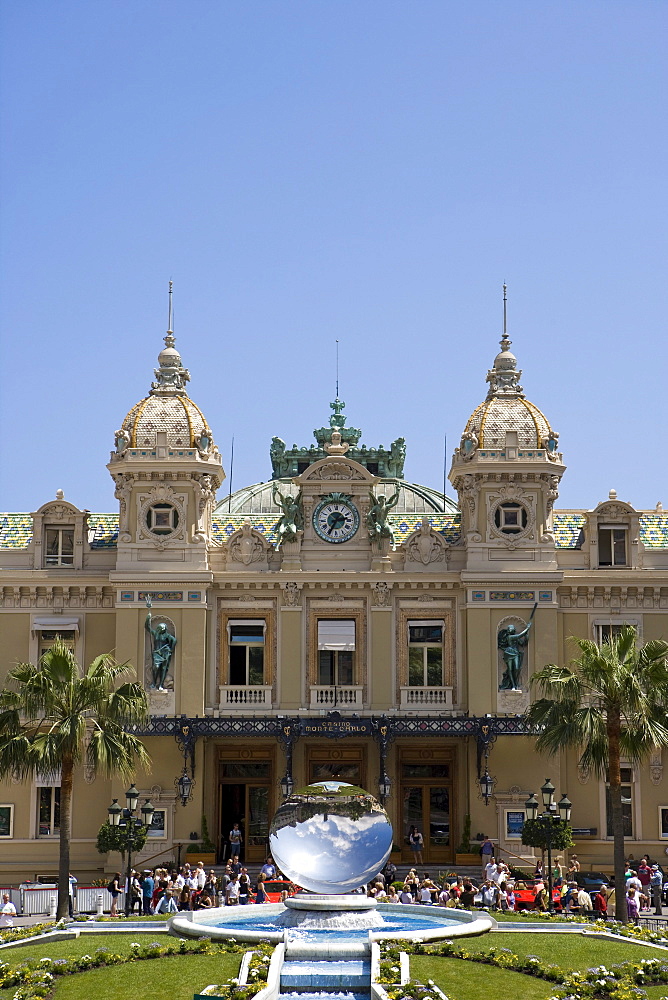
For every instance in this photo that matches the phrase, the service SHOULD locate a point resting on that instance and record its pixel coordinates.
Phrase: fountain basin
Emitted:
(409, 922)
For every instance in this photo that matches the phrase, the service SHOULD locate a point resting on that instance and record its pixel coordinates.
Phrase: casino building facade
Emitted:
(335, 621)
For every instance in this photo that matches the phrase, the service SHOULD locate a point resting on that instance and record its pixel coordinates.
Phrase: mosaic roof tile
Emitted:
(103, 531)
(15, 531)
(495, 416)
(654, 530)
(568, 530)
(447, 525)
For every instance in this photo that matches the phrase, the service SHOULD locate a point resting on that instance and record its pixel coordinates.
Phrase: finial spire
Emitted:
(337, 369)
(171, 376)
(503, 377)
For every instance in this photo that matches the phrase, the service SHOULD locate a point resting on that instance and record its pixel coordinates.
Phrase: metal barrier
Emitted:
(36, 899)
(87, 899)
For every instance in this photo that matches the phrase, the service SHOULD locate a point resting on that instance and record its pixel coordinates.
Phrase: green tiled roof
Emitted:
(569, 526)
(15, 531)
(103, 531)
(654, 530)
(568, 530)
(447, 525)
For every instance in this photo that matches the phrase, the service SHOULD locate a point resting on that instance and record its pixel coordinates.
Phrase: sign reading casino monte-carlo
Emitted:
(334, 728)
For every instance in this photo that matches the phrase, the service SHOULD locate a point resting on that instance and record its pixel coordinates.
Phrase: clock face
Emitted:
(336, 520)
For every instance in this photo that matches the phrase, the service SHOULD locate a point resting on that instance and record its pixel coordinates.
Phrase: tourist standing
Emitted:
(486, 854)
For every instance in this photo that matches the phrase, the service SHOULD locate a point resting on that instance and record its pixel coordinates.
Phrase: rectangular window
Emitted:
(611, 546)
(336, 652)
(607, 631)
(48, 811)
(425, 654)
(59, 548)
(6, 821)
(663, 822)
(47, 637)
(246, 644)
(627, 803)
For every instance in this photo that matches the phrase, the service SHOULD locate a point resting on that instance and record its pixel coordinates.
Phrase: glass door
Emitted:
(245, 798)
(426, 797)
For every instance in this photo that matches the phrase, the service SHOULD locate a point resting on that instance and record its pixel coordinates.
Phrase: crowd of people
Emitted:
(161, 890)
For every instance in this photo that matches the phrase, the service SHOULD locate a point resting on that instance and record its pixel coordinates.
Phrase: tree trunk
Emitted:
(615, 782)
(65, 836)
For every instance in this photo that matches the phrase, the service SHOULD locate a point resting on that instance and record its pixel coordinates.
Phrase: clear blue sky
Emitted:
(364, 170)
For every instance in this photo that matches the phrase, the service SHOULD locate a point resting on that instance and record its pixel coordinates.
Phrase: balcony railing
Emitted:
(335, 697)
(415, 699)
(242, 698)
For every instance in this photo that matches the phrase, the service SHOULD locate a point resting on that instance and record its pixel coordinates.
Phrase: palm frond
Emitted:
(113, 751)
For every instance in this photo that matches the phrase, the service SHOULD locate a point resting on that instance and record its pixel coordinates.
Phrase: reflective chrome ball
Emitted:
(330, 837)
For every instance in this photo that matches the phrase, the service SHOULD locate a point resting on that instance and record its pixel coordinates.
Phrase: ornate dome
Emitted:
(167, 409)
(505, 410)
(490, 421)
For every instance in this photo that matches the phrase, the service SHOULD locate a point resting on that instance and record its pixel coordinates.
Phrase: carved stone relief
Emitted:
(655, 768)
(380, 595)
(247, 546)
(425, 545)
(162, 493)
(291, 595)
(511, 493)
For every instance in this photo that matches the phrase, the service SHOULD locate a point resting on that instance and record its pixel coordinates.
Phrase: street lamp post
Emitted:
(552, 812)
(127, 820)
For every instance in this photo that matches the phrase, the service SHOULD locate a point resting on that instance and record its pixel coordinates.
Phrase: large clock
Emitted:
(336, 518)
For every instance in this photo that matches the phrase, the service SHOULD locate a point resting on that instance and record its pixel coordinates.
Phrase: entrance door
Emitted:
(426, 804)
(245, 798)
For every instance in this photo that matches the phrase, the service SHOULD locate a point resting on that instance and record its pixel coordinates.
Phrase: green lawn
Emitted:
(176, 977)
(569, 951)
(84, 945)
(468, 981)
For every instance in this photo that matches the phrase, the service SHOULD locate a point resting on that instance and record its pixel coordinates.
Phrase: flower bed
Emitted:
(620, 982)
(35, 978)
(246, 986)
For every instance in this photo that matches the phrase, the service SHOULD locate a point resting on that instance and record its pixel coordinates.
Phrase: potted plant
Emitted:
(203, 851)
(463, 854)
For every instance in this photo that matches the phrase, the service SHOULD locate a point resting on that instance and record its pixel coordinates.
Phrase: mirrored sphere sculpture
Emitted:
(330, 837)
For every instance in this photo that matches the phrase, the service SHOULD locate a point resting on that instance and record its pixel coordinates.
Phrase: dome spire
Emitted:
(503, 377)
(171, 376)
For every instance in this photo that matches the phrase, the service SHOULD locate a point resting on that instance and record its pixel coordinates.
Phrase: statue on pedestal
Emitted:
(512, 644)
(162, 649)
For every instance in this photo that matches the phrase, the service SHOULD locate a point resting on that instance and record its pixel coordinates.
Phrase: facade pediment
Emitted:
(333, 469)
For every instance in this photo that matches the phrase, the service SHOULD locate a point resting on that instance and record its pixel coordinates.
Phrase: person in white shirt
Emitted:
(200, 876)
(425, 896)
(584, 901)
(7, 912)
(492, 871)
(232, 892)
(635, 882)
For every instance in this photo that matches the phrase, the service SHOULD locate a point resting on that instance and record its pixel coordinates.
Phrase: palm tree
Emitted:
(54, 717)
(611, 704)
